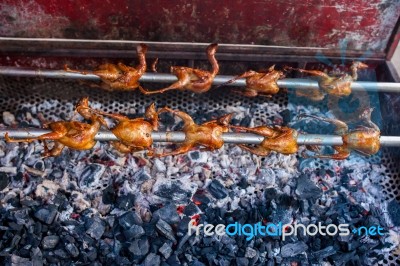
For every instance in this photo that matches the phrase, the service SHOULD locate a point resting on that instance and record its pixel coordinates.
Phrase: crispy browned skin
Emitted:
(192, 79)
(134, 134)
(339, 86)
(120, 77)
(260, 83)
(363, 139)
(278, 139)
(74, 134)
(207, 135)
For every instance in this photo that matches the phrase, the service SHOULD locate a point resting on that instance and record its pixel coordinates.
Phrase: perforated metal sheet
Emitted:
(56, 98)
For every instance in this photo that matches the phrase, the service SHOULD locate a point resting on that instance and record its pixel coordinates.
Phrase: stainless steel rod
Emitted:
(179, 136)
(220, 79)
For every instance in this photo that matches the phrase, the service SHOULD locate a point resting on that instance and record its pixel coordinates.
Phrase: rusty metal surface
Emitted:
(364, 24)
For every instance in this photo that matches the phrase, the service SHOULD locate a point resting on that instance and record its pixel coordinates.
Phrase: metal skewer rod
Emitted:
(220, 79)
(179, 136)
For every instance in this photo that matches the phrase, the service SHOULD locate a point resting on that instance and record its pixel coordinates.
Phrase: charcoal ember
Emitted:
(217, 190)
(135, 231)
(167, 213)
(46, 214)
(22, 216)
(109, 195)
(198, 157)
(126, 202)
(266, 177)
(165, 229)
(174, 191)
(191, 209)
(139, 247)
(250, 252)
(293, 249)
(393, 209)
(306, 188)
(91, 175)
(95, 227)
(160, 166)
(4, 180)
(152, 260)
(270, 194)
(166, 250)
(241, 261)
(128, 219)
(50, 242)
(72, 250)
(56, 174)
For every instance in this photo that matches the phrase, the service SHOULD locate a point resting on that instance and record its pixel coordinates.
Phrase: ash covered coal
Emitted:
(97, 207)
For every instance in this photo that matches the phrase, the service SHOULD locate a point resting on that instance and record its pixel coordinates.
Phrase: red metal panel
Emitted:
(365, 24)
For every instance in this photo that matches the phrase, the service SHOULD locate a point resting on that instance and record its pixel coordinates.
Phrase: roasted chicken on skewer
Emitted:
(192, 79)
(259, 83)
(73, 134)
(364, 139)
(339, 86)
(134, 134)
(207, 135)
(120, 77)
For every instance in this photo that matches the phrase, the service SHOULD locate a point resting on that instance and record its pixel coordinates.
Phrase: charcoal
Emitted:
(167, 213)
(173, 260)
(72, 250)
(241, 261)
(20, 261)
(90, 174)
(95, 228)
(46, 214)
(135, 231)
(139, 247)
(342, 259)
(126, 202)
(4, 180)
(165, 229)
(165, 250)
(250, 253)
(293, 249)
(92, 253)
(173, 191)
(109, 195)
(152, 260)
(61, 254)
(191, 209)
(217, 190)
(394, 212)
(128, 219)
(50, 242)
(37, 257)
(306, 188)
(323, 253)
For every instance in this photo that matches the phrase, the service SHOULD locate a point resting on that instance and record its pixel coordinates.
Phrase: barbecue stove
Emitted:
(100, 206)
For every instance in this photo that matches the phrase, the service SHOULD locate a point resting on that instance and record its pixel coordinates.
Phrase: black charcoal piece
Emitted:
(323, 253)
(191, 209)
(109, 195)
(168, 213)
(165, 250)
(152, 260)
(126, 202)
(95, 228)
(46, 214)
(166, 230)
(90, 174)
(128, 219)
(173, 192)
(293, 249)
(91, 253)
(241, 261)
(37, 257)
(135, 231)
(250, 252)
(394, 212)
(4, 181)
(50, 242)
(217, 189)
(306, 188)
(61, 254)
(139, 247)
(72, 250)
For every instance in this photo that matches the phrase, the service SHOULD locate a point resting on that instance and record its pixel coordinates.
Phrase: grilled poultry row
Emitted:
(264, 83)
(136, 134)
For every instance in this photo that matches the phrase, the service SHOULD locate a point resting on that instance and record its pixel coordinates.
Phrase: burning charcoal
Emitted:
(293, 249)
(174, 191)
(152, 259)
(168, 213)
(139, 247)
(250, 253)
(165, 250)
(160, 166)
(126, 202)
(128, 219)
(217, 189)
(50, 242)
(306, 188)
(165, 229)
(91, 174)
(135, 231)
(46, 214)
(4, 181)
(72, 250)
(198, 157)
(109, 195)
(191, 209)
(242, 261)
(394, 212)
(95, 228)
